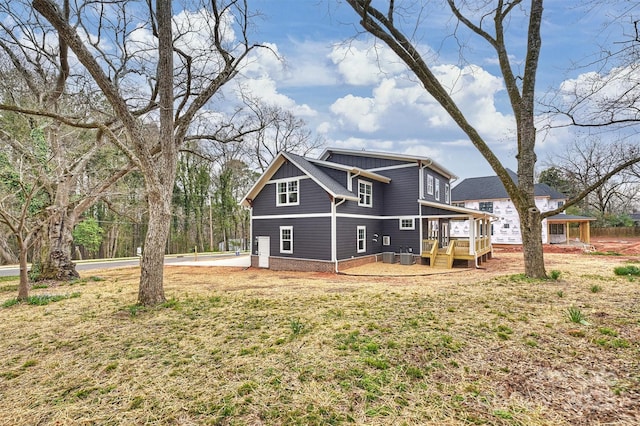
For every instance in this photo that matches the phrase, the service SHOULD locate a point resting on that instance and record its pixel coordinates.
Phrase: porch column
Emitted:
(472, 235)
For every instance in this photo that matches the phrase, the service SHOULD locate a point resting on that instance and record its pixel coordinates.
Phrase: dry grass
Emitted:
(262, 347)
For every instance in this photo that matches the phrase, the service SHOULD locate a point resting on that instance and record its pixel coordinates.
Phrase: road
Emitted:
(204, 259)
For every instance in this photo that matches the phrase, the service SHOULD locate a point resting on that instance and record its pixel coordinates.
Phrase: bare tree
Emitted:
(277, 130)
(35, 99)
(586, 161)
(487, 22)
(207, 57)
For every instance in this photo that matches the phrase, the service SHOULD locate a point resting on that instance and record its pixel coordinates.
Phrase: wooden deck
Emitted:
(444, 257)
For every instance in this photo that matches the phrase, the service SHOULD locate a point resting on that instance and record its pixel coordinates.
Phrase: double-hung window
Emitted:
(287, 193)
(286, 239)
(437, 190)
(362, 239)
(429, 184)
(447, 193)
(365, 192)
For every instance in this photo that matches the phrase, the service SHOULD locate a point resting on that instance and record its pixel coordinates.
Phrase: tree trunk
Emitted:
(6, 253)
(55, 252)
(23, 288)
(531, 228)
(151, 291)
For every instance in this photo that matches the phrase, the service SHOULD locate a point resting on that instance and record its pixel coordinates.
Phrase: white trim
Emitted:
(369, 185)
(286, 228)
(364, 239)
(407, 228)
(429, 187)
(297, 192)
(386, 240)
(291, 216)
(436, 189)
(301, 177)
(397, 166)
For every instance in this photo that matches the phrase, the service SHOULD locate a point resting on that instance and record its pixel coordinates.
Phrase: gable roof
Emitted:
(327, 183)
(491, 188)
(390, 156)
(351, 169)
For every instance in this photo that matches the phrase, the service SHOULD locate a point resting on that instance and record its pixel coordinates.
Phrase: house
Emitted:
(350, 207)
(488, 194)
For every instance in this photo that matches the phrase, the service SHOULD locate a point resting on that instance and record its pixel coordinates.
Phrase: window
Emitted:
(287, 193)
(429, 184)
(560, 204)
(437, 188)
(365, 190)
(286, 239)
(407, 223)
(386, 240)
(486, 206)
(556, 228)
(458, 204)
(446, 193)
(362, 239)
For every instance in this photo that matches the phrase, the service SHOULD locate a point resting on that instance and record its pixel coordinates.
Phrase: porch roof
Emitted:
(455, 211)
(569, 218)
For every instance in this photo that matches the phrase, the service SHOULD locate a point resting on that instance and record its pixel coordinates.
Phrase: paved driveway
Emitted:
(243, 261)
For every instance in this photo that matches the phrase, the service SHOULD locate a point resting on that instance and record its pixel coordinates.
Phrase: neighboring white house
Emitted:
(488, 194)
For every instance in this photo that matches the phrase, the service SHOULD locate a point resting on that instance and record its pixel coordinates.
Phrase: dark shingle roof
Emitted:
(491, 188)
(319, 176)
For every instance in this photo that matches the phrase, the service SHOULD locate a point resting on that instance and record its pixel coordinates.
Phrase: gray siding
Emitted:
(287, 170)
(313, 199)
(347, 239)
(402, 193)
(443, 181)
(337, 175)
(401, 240)
(311, 237)
(378, 202)
(363, 162)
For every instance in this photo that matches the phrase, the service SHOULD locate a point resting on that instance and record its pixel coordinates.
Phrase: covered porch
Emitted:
(563, 228)
(441, 249)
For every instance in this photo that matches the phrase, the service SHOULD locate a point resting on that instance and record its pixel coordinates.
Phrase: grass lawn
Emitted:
(247, 347)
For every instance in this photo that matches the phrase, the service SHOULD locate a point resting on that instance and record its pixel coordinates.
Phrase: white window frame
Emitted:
(363, 194)
(386, 240)
(283, 240)
(407, 227)
(362, 239)
(437, 189)
(447, 192)
(429, 184)
(288, 192)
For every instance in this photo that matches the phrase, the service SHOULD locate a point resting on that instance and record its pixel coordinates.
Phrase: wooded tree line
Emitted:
(111, 115)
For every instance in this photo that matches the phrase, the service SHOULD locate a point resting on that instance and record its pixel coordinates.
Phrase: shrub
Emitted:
(627, 270)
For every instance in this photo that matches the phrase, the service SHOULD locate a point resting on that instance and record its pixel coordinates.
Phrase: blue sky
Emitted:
(358, 97)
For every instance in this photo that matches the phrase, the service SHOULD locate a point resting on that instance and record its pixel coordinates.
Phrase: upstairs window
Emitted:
(447, 192)
(437, 190)
(287, 193)
(486, 206)
(429, 184)
(365, 191)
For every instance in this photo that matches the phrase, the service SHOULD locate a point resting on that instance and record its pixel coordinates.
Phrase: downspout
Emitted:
(334, 230)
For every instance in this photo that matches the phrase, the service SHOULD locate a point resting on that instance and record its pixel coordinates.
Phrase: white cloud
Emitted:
(362, 64)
